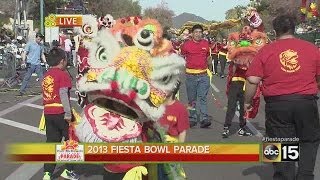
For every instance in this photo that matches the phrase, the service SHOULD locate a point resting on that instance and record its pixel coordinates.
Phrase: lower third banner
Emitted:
(73, 152)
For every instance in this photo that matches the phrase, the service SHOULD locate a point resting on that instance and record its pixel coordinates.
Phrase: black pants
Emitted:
(115, 176)
(235, 94)
(223, 62)
(56, 128)
(69, 57)
(294, 116)
(215, 63)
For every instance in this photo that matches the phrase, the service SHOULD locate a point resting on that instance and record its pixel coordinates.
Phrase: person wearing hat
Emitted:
(31, 59)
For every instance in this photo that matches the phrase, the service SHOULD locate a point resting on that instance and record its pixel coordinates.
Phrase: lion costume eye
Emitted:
(166, 79)
(87, 29)
(233, 43)
(101, 54)
(259, 42)
(144, 38)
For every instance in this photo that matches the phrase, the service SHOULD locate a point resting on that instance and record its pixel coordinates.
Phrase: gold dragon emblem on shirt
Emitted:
(289, 61)
(48, 87)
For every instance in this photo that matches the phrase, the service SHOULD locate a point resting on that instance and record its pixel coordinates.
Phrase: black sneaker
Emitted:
(244, 132)
(225, 133)
(205, 124)
(192, 124)
(21, 94)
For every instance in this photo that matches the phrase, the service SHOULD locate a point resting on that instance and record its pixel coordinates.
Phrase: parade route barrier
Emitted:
(9, 74)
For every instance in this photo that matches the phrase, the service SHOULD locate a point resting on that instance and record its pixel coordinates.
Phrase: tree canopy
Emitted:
(162, 13)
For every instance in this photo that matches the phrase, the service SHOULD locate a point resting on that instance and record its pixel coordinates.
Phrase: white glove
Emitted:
(23, 65)
(47, 66)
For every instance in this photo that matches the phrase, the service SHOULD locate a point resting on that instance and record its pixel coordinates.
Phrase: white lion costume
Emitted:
(125, 75)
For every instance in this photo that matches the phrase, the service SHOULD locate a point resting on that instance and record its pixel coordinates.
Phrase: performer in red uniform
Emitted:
(289, 70)
(242, 48)
(235, 93)
(196, 52)
(214, 53)
(222, 56)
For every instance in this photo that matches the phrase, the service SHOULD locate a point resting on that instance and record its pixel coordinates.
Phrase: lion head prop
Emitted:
(243, 46)
(128, 75)
(254, 19)
(106, 21)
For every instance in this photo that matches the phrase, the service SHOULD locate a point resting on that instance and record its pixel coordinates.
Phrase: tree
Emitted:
(277, 7)
(269, 9)
(236, 12)
(162, 13)
(7, 7)
(118, 8)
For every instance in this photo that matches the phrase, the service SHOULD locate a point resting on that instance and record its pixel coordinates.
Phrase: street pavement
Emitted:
(19, 118)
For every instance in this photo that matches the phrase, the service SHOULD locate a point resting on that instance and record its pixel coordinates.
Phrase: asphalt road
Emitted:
(19, 118)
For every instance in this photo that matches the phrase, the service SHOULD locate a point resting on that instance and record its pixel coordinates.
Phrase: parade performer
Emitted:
(127, 76)
(197, 54)
(242, 49)
(288, 69)
(222, 56)
(56, 86)
(176, 122)
(214, 53)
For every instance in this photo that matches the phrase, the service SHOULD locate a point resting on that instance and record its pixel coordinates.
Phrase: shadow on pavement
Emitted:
(264, 171)
(259, 128)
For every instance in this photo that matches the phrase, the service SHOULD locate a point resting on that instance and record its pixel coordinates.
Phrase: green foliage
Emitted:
(263, 5)
(3, 20)
(236, 12)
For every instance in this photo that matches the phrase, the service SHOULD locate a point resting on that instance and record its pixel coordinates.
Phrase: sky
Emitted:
(208, 9)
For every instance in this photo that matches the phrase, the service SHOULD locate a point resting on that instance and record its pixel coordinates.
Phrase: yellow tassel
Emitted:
(210, 75)
(42, 123)
(171, 139)
(76, 116)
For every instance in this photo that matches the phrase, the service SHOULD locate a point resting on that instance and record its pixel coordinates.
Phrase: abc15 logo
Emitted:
(278, 152)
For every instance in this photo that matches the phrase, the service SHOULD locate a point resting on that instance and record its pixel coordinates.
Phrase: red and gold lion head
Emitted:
(243, 46)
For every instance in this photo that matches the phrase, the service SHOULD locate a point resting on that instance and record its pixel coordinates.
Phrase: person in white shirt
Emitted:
(67, 48)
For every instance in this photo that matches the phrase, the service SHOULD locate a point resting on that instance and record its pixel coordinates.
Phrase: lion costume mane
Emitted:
(126, 73)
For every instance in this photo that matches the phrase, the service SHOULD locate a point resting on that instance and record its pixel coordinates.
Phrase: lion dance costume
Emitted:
(242, 48)
(126, 72)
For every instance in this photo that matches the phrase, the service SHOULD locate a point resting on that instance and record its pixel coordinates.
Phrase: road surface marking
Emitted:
(214, 87)
(32, 105)
(21, 126)
(25, 171)
(18, 106)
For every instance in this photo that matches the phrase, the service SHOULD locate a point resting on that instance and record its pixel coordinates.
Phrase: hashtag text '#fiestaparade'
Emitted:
(278, 139)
